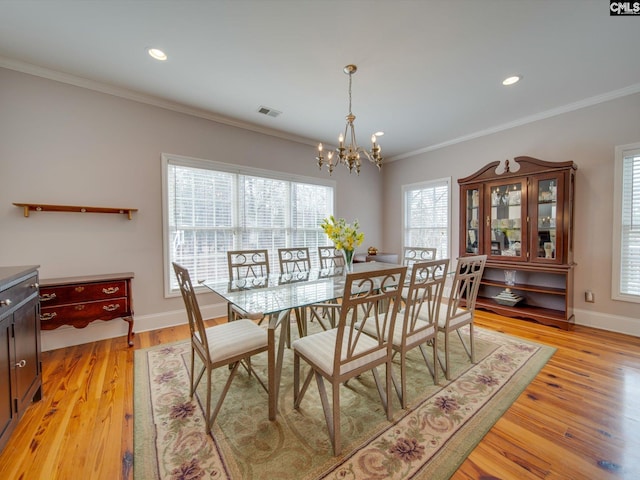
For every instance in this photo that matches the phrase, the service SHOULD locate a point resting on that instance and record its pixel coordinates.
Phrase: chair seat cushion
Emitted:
(422, 331)
(235, 338)
(319, 348)
(461, 316)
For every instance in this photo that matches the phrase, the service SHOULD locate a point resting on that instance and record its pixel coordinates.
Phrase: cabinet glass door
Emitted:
(547, 238)
(507, 223)
(472, 220)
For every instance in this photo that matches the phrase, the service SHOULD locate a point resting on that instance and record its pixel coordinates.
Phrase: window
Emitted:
(211, 207)
(626, 228)
(427, 215)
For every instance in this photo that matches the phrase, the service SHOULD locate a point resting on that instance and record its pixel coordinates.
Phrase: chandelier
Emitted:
(349, 155)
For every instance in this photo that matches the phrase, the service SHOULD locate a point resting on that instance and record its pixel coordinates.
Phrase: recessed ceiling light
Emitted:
(379, 134)
(157, 54)
(511, 80)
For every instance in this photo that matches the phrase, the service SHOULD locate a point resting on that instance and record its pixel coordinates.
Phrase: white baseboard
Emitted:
(67, 336)
(605, 321)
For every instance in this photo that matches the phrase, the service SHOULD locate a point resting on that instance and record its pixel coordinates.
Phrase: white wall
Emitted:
(62, 144)
(586, 136)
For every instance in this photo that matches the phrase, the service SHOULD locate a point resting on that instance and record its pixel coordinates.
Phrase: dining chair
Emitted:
(416, 325)
(412, 255)
(246, 264)
(294, 261)
(227, 344)
(345, 352)
(459, 309)
(326, 314)
(330, 257)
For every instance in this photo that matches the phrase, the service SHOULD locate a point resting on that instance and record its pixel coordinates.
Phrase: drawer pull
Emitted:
(110, 290)
(112, 307)
(48, 316)
(45, 297)
(21, 363)
(79, 289)
(78, 308)
(34, 285)
(5, 303)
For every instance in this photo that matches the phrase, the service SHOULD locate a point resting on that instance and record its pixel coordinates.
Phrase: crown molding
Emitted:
(588, 102)
(43, 72)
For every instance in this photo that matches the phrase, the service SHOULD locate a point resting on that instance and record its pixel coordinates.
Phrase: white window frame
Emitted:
(421, 186)
(621, 152)
(167, 159)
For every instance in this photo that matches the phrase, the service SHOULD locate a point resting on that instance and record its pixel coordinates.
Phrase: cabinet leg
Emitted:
(129, 320)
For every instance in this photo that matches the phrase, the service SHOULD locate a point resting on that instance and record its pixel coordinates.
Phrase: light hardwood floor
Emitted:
(579, 419)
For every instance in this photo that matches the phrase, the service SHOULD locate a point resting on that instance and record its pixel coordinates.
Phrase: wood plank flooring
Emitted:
(579, 419)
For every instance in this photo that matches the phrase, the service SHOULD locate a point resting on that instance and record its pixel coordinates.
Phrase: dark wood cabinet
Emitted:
(20, 367)
(78, 301)
(523, 221)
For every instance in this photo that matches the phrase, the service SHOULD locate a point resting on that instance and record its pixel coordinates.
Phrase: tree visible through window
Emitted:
(426, 216)
(211, 208)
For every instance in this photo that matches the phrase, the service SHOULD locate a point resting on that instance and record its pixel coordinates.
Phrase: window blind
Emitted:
(426, 216)
(211, 208)
(630, 226)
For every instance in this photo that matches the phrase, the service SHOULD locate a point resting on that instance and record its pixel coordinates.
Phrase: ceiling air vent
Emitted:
(270, 112)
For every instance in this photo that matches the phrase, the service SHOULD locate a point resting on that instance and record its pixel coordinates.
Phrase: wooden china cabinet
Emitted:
(523, 221)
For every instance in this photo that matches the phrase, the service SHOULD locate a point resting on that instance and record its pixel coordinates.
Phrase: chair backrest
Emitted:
(424, 296)
(466, 283)
(294, 260)
(330, 257)
(412, 255)
(248, 263)
(371, 299)
(196, 324)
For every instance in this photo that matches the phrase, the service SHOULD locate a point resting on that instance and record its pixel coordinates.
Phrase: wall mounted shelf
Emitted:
(39, 207)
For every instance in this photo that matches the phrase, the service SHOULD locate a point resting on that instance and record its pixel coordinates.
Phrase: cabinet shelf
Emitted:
(39, 207)
(545, 316)
(526, 288)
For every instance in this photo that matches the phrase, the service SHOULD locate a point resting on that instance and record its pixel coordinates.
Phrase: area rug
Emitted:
(429, 440)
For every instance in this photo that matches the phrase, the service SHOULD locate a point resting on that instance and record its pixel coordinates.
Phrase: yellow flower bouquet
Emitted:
(344, 236)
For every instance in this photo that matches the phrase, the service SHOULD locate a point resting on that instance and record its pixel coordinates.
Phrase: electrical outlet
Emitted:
(589, 297)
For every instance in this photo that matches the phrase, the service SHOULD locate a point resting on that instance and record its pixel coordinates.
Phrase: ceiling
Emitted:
(429, 72)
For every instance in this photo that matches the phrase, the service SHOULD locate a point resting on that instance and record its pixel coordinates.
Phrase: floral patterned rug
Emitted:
(428, 440)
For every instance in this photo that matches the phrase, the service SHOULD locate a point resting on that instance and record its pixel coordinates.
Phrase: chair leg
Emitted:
(207, 415)
(298, 393)
(434, 353)
(216, 410)
(385, 393)
(333, 424)
(401, 389)
(435, 359)
(447, 374)
(192, 371)
(471, 340)
(470, 348)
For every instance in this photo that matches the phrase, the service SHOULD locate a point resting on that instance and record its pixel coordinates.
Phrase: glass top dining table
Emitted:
(276, 295)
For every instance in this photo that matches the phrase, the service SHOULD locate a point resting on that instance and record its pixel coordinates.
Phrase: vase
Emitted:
(348, 260)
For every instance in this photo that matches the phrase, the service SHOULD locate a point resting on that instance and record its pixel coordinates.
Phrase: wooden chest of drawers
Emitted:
(78, 301)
